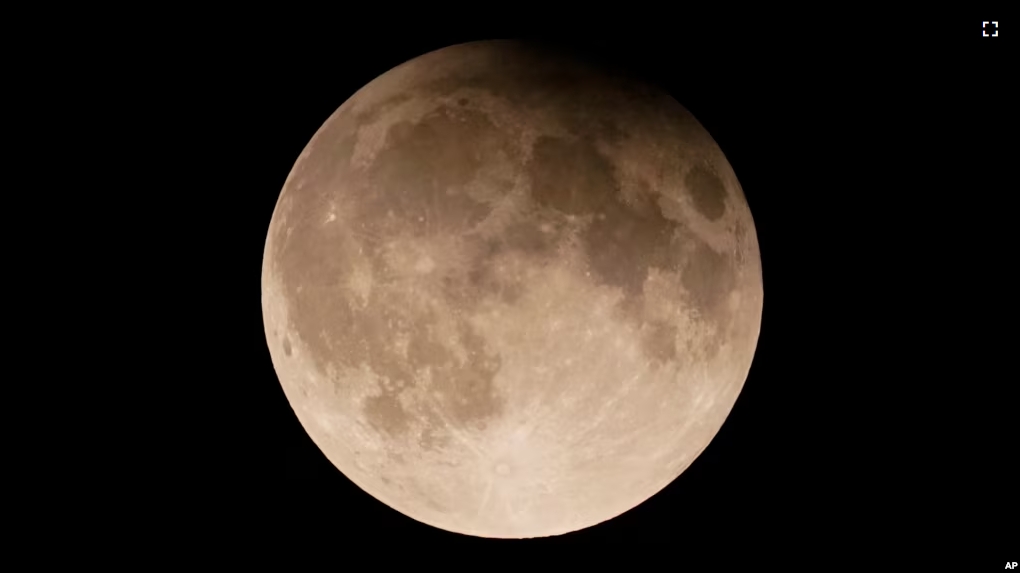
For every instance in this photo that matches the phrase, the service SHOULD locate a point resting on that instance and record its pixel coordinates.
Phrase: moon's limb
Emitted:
(508, 295)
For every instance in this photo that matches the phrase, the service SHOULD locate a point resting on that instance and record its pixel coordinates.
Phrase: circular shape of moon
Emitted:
(509, 294)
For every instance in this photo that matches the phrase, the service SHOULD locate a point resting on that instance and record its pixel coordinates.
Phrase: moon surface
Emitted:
(510, 294)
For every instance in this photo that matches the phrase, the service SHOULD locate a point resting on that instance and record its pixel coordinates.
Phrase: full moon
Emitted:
(509, 293)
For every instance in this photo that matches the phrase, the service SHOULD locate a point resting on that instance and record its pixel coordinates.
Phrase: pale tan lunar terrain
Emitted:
(510, 295)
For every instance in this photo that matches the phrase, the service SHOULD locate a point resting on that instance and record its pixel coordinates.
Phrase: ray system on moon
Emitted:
(509, 294)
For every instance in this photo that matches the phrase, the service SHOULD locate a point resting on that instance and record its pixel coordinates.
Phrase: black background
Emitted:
(872, 151)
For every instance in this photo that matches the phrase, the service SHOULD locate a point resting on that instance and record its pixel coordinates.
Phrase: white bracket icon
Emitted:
(985, 33)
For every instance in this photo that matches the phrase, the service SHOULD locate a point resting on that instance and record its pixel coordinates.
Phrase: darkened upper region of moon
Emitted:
(509, 294)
